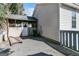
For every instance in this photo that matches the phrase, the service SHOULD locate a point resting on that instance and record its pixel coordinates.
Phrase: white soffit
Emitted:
(74, 5)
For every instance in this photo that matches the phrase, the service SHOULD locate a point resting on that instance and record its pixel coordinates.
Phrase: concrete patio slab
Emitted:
(33, 47)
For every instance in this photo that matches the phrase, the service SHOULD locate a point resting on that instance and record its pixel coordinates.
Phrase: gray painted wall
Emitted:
(48, 20)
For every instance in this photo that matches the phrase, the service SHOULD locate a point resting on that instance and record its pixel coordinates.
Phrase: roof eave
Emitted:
(16, 17)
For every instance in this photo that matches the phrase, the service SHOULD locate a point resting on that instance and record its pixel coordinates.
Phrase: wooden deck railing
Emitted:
(70, 39)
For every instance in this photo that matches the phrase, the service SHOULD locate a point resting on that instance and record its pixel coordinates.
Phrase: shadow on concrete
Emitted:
(5, 51)
(26, 37)
(40, 54)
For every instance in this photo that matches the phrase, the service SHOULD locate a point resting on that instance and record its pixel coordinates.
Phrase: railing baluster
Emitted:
(77, 41)
(72, 40)
(62, 37)
(68, 39)
(65, 38)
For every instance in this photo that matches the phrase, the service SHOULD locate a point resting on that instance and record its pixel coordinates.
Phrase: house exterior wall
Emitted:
(55, 22)
(66, 18)
(48, 20)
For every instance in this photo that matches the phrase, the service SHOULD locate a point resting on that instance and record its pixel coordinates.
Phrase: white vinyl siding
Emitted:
(66, 19)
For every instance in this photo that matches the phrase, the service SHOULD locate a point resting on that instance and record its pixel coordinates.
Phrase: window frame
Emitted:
(74, 19)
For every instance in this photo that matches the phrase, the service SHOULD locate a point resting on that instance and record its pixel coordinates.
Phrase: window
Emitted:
(73, 19)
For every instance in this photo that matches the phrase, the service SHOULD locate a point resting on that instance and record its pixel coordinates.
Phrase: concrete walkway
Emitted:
(33, 47)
